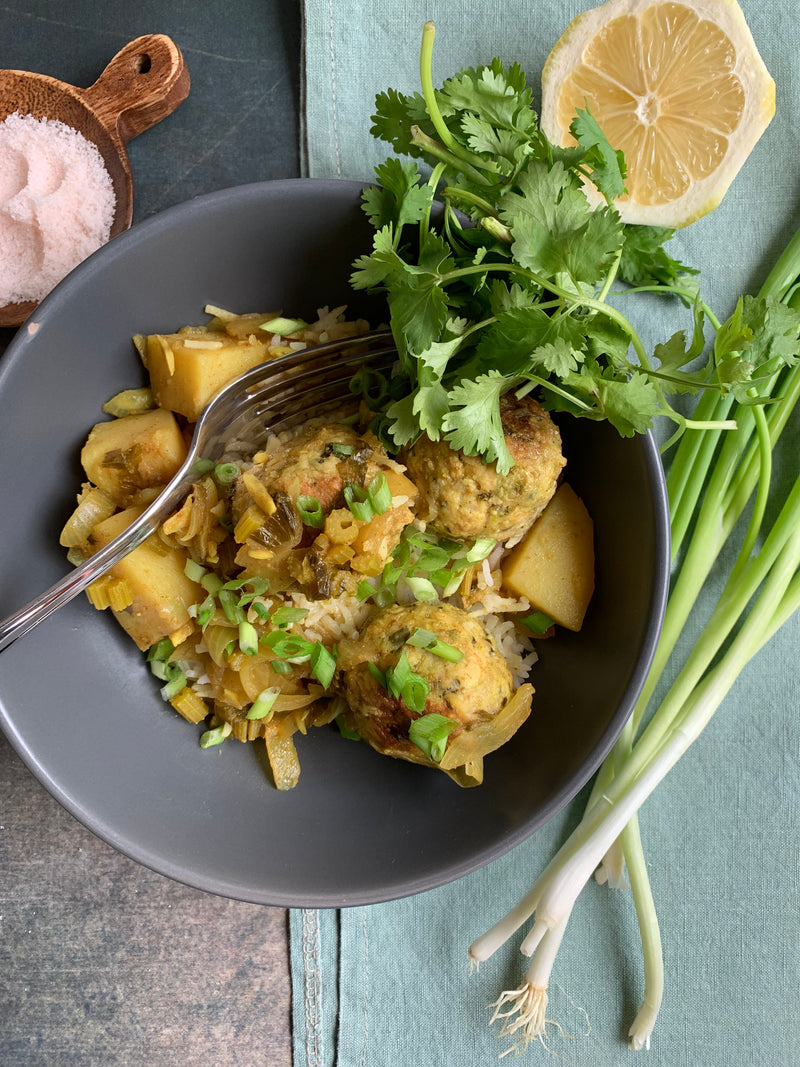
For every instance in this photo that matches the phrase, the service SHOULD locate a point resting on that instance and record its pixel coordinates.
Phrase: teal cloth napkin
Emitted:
(389, 985)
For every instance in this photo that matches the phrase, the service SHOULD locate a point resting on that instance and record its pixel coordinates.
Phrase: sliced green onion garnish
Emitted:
(215, 736)
(364, 590)
(161, 650)
(357, 500)
(193, 571)
(538, 623)
(212, 583)
(310, 511)
(323, 665)
(341, 450)
(377, 674)
(261, 609)
(430, 642)
(480, 550)
(429, 733)
(370, 384)
(225, 473)
(262, 705)
(206, 611)
(287, 646)
(415, 693)
(248, 638)
(398, 676)
(449, 587)
(442, 577)
(407, 686)
(235, 583)
(432, 559)
(280, 667)
(379, 494)
(160, 669)
(401, 553)
(283, 327)
(385, 596)
(229, 602)
(176, 680)
(258, 587)
(421, 588)
(203, 466)
(418, 538)
(285, 616)
(391, 575)
(351, 735)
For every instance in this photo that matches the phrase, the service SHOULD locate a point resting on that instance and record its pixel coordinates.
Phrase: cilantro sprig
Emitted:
(497, 272)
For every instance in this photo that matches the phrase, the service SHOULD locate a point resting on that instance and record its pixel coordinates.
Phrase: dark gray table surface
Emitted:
(103, 962)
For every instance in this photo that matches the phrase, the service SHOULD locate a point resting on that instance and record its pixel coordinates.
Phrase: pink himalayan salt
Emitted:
(56, 205)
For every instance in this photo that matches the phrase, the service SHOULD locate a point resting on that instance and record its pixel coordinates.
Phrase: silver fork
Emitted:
(274, 395)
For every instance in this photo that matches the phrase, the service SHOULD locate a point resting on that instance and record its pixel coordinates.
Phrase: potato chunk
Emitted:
(154, 574)
(553, 566)
(187, 371)
(136, 452)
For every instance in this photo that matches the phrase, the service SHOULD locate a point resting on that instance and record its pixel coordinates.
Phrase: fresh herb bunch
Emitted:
(497, 272)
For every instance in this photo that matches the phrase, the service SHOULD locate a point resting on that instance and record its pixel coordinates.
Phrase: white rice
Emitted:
(333, 619)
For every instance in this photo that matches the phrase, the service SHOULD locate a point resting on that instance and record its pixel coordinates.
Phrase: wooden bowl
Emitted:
(143, 84)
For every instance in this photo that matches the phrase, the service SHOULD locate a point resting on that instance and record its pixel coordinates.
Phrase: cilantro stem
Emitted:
(468, 197)
(434, 113)
(446, 156)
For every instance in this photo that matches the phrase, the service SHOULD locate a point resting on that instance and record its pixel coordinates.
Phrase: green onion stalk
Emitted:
(714, 476)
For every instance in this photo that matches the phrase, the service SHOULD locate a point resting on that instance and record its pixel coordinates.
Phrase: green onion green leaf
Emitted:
(263, 704)
(215, 736)
(538, 623)
(310, 511)
(430, 733)
(358, 501)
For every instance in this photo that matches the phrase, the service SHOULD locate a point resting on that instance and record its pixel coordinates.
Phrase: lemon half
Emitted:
(679, 86)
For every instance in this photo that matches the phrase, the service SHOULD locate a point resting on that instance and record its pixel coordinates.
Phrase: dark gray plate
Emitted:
(77, 700)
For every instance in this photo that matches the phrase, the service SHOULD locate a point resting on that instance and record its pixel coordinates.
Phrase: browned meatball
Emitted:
(465, 498)
(317, 463)
(469, 692)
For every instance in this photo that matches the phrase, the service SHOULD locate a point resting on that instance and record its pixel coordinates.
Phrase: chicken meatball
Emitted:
(463, 497)
(318, 462)
(469, 692)
(338, 548)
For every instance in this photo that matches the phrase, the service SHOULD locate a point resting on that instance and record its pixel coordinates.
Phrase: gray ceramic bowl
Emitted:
(77, 700)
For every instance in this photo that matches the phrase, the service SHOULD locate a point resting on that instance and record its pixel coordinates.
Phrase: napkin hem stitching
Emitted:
(311, 956)
(335, 123)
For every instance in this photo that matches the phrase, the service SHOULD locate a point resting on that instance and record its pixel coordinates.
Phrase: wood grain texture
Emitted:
(106, 962)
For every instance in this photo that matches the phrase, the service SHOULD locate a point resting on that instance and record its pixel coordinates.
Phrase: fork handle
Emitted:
(29, 616)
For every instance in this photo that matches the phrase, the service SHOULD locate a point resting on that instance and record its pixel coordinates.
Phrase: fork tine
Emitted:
(281, 392)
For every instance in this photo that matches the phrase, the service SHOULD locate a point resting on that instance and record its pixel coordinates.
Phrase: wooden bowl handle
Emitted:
(142, 85)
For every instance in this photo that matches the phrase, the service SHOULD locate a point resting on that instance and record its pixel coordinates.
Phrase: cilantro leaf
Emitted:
(554, 229)
(505, 284)
(375, 268)
(644, 260)
(525, 339)
(473, 423)
(629, 404)
(606, 165)
(759, 338)
(419, 310)
(395, 114)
